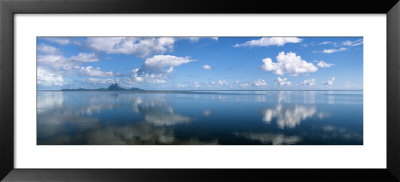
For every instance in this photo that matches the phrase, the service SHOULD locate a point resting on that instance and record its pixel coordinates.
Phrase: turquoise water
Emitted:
(200, 118)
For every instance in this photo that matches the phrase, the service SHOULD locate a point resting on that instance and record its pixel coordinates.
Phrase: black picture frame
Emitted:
(8, 8)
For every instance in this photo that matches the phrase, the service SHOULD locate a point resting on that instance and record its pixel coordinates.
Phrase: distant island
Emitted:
(112, 87)
(116, 87)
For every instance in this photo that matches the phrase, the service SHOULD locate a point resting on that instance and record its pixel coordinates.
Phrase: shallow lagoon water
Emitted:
(200, 118)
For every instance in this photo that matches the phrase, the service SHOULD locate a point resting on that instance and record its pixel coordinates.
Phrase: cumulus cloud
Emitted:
(283, 82)
(269, 41)
(260, 83)
(54, 61)
(84, 57)
(323, 64)
(207, 67)
(244, 84)
(222, 82)
(55, 65)
(156, 68)
(59, 61)
(46, 77)
(310, 82)
(288, 117)
(46, 49)
(135, 75)
(90, 71)
(353, 43)
(288, 63)
(330, 81)
(161, 61)
(59, 64)
(141, 47)
(196, 84)
(330, 51)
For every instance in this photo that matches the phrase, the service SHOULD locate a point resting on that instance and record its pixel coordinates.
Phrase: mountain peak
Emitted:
(115, 86)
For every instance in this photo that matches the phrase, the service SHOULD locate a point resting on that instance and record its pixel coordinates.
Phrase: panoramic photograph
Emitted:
(199, 90)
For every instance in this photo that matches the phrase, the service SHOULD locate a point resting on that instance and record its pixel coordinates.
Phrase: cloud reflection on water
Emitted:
(56, 116)
(48, 100)
(288, 117)
(105, 118)
(141, 133)
(270, 138)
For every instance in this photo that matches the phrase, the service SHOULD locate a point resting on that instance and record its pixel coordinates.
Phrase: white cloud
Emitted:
(330, 81)
(323, 64)
(52, 60)
(288, 117)
(43, 48)
(61, 41)
(90, 71)
(265, 41)
(288, 63)
(141, 47)
(156, 68)
(106, 81)
(135, 76)
(222, 82)
(85, 57)
(194, 39)
(325, 43)
(244, 84)
(260, 83)
(330, 51)
(46, 77)
(55, 65)
(57, 58)
(196, 84)
(181, 85)
(154, 78)
(161, 61)
(353, 43)
(59, 63)
(207, 67)
(283, 82)
(310, 82)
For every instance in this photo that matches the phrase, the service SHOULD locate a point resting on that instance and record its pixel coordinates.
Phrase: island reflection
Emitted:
(199, 118)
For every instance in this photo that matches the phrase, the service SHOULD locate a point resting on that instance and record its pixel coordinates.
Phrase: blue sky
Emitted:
(201, 63)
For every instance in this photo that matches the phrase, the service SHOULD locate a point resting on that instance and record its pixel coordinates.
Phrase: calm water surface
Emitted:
(200, 117)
